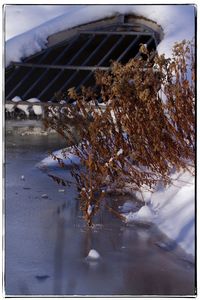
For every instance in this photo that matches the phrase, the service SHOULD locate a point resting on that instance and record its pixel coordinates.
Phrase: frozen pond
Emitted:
(47, 240)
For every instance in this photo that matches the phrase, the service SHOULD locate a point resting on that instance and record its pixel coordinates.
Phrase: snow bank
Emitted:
(173, 210)
(144, 215)
(69, 160)
(177, 22)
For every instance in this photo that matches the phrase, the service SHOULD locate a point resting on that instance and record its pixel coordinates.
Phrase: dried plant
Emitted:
(144, 129)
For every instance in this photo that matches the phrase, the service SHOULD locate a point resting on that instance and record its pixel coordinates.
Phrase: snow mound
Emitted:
(69, 160)
(178, 23)
(33, 100)
(143, 215)
(93, 255)
(172, 209)
(38, 111)
(16, 99)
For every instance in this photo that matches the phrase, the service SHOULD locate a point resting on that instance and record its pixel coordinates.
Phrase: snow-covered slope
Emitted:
(26, 17)
(177, 22)
(173, 210)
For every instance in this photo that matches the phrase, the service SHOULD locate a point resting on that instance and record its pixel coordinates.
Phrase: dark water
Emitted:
(47, 240)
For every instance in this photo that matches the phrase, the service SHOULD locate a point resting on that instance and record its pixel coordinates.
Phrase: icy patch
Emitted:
(93, 255)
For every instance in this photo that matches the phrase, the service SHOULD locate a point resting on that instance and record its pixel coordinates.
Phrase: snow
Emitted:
(93, 254)
(9, 107)
(22, 177)
(38, 110)
(33, 100)
(127, 206)
(120, 152)
(143, 215)
(16, 99)
(70, 160)
(27, 17)
(44, 196)
(63, 102)
(173, 210)
(24, 108)
(89, 210)
(177, 22)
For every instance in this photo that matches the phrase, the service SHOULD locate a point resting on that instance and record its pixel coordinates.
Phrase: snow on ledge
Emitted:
(177, 22)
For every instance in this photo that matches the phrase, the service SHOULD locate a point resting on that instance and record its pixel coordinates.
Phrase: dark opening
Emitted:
(72, 63)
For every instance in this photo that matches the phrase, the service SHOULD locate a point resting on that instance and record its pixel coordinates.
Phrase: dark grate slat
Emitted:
(39, 79)
(73, 62)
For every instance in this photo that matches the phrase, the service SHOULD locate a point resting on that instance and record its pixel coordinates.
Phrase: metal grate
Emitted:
(73, 62)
